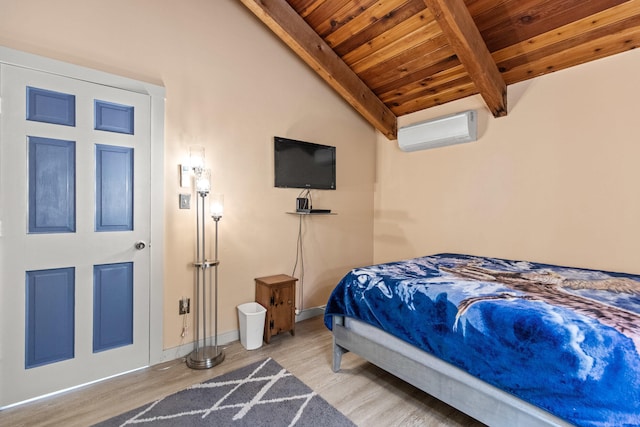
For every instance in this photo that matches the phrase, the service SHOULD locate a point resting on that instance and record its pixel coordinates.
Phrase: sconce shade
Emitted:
(196, 157)
(217, 205)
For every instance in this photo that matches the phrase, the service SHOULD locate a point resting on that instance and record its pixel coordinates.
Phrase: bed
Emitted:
(510, 343)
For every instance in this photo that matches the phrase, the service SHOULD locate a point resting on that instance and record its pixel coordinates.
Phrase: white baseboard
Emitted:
(231, 336)
(310, 312)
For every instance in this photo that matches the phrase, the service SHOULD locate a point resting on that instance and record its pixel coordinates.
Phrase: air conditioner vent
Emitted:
(448, 130)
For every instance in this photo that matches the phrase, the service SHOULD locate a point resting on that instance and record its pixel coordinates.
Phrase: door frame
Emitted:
(156, 242)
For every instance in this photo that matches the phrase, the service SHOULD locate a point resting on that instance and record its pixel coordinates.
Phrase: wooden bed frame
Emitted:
(474, 397)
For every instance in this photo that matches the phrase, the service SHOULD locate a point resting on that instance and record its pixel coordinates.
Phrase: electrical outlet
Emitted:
(184, 306)
(185, 201)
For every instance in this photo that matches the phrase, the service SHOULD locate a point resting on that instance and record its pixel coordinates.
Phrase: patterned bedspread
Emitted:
(564, 339)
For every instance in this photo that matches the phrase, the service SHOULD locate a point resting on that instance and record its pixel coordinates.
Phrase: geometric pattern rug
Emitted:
(260, 394)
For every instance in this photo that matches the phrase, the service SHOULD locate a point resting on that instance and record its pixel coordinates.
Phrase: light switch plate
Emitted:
(185, 201)
(185, 176)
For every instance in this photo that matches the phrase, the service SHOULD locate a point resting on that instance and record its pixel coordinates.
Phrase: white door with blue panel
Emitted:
(74, 204)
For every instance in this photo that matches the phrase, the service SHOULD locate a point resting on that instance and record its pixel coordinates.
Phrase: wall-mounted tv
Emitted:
(301, 164)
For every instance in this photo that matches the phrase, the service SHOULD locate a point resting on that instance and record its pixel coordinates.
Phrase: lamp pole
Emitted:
(206, 356)
(216, 219)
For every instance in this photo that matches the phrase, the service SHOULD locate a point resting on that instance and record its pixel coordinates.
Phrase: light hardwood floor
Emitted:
(365, 394)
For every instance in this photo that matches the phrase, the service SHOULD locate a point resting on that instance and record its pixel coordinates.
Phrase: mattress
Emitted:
(563, 339)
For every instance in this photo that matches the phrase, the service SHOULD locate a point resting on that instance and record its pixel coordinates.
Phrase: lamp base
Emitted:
(205, 358)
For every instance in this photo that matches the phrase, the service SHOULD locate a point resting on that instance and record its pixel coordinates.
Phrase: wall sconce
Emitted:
(196, 157)
(194, 165)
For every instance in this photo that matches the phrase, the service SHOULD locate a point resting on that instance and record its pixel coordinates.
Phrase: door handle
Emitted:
(140, 245)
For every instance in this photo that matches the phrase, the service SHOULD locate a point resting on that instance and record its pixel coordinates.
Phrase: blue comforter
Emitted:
(566, 340)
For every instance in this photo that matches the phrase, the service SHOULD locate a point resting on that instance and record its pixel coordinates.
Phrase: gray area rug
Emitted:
(261, 394)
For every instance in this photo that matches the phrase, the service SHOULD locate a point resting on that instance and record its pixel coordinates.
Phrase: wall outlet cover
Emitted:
(184, 306)
(185, 201)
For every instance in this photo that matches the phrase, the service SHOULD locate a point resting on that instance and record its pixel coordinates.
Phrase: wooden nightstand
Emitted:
(278, 295)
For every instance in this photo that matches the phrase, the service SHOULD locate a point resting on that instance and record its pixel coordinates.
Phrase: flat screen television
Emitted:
(300, 164)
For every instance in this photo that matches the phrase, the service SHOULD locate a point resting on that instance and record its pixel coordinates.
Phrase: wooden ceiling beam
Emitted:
(305, 42)
(465, 39)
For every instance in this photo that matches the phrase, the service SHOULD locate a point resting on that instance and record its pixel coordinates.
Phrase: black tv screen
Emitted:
(301, 164)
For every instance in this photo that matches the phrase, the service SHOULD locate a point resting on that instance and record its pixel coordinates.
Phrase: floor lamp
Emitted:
(205, 355)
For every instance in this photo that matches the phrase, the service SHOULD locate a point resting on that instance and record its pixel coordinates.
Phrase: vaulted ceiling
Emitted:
(388, 58)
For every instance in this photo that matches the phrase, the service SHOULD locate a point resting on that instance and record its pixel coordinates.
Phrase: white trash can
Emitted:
(251, 317)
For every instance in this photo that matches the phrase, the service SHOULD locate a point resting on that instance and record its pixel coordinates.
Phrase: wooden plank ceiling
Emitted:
(389, 58)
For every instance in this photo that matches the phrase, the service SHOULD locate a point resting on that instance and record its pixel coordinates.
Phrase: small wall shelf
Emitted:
(312, 213)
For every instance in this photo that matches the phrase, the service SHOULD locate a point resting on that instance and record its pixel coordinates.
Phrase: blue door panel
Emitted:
(112, 306)
(112, 117)
(51, 107)
(52, 176)
(49, 319)
(114, 188)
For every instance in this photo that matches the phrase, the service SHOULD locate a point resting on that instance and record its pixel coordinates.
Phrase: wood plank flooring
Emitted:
(365, 394)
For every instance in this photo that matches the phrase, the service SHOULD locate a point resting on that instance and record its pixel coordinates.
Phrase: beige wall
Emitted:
(556, 181)
(230, 86)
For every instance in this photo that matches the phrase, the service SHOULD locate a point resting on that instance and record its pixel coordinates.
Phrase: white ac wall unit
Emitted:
(448, 130)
